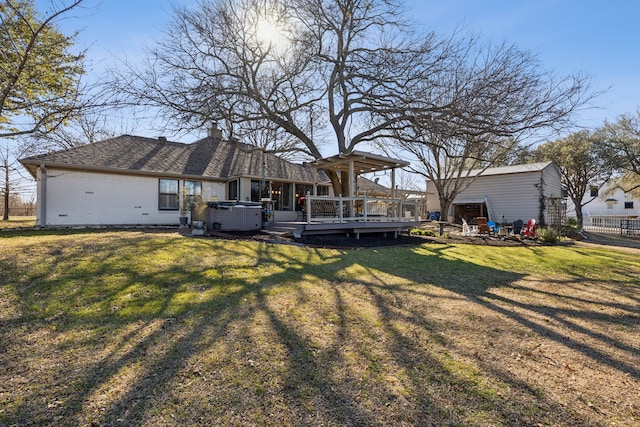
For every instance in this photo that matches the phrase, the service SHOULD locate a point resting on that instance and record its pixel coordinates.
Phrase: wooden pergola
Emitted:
(356, 163)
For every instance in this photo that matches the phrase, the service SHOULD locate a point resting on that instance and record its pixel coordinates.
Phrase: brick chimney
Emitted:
(214, 131)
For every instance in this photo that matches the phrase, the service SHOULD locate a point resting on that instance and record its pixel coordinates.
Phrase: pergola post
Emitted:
(394, 192)
(352, 186)
(351, 179)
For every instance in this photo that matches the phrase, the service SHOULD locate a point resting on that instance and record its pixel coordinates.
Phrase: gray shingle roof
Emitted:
(369, 187)
(208, 158)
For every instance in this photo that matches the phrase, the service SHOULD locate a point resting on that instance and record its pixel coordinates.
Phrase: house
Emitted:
(506, 194)
(607, 203)
(131, 180)
(604, 209)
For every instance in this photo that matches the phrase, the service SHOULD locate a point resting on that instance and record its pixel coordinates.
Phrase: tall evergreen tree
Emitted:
(39, 72)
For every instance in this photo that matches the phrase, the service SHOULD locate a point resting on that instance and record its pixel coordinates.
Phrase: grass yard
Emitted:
(135, 328)
(18, 222)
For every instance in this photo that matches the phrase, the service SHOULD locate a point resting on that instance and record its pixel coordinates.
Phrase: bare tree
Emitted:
(331, 73)
(4, 164)
(476, 114)
(355, 66)
(79, 130)
(449, 162)
(9, 187)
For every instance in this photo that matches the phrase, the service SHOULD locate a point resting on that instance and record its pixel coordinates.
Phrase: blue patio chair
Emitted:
(493, 227)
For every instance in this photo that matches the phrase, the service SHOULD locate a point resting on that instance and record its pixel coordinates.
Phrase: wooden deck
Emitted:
(354, 215)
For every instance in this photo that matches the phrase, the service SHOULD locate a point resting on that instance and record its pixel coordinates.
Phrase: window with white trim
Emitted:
(168, 195)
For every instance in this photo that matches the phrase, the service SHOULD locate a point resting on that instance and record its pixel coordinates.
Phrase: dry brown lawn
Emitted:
(135, 328)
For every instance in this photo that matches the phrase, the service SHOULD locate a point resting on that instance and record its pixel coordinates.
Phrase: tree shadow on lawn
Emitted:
(324, 337)
(568, 300)
(558, 318)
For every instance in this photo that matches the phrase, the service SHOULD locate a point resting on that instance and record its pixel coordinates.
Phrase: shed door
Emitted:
(468, 211)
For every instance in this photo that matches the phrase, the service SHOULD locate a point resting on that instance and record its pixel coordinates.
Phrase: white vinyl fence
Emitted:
(612, 224)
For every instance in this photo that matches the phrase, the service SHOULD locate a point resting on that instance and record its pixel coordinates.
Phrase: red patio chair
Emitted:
(530, 229)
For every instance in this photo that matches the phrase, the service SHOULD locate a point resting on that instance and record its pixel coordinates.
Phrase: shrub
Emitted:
(199, 209)
(421, 232)
(548, 235)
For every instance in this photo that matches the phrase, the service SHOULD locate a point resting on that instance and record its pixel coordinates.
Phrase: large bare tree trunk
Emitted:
(445, 204)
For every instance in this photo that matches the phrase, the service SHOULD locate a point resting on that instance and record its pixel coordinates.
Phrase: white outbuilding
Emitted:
(506, 194)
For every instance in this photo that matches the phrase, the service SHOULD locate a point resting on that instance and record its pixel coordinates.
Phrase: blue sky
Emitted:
(596, 37)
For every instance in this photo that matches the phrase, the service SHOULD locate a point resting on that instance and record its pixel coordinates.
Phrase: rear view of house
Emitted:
(133, 180)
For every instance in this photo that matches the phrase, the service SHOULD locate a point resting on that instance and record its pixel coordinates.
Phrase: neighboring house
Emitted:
(606, 210)
(131, 180)
(506, 194)
(607, 204)
(367, 187)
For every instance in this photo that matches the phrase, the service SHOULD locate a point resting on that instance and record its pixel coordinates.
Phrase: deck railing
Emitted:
(324, 209)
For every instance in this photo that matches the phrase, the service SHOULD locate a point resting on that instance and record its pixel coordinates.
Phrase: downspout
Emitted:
(263, 184)
(41, 219)
(315, 181)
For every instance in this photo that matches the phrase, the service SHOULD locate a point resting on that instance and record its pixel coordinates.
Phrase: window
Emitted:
(281, 195)
(192, 188)
(301, 191)
(304, 189)
(168, 195)
(256, 195)
(233, 190)
(593, 191)
(628, 205)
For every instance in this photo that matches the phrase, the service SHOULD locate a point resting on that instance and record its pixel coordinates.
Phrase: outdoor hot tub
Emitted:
(234, 215)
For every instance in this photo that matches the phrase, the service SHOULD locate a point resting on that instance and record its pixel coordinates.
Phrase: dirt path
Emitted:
(628, 243)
